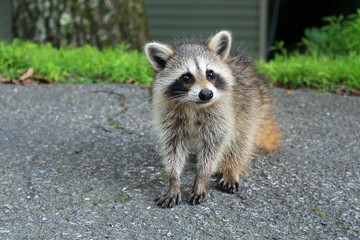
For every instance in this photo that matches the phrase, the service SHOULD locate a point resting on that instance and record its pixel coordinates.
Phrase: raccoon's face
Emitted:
(194, 73)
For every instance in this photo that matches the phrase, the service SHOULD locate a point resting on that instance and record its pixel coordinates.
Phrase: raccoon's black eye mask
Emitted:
(178, 89)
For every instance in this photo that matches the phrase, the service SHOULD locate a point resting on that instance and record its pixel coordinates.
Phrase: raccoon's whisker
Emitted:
(178, 95)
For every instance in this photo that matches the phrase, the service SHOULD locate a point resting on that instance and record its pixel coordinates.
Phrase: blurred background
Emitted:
(258, 24)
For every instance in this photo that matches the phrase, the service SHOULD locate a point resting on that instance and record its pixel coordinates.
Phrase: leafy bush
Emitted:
(314, 71)
(339, 36)
(331, 61)
(86, 64)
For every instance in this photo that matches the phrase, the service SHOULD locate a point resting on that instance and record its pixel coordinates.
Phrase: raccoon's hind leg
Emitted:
(232, 166)
(268, 137)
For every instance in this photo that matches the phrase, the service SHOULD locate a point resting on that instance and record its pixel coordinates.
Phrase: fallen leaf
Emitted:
(343, 91)
(355, 92)
(4, 80)
(40, 79)
(29, 73)
(129, 81)
(27, 81)
(288, 92)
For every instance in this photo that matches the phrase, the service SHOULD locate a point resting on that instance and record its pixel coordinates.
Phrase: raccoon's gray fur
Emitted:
(205, 92)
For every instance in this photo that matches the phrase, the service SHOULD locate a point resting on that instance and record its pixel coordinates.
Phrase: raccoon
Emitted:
(208, 97)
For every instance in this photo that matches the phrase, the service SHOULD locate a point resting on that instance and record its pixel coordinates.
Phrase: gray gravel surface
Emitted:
(80, 162)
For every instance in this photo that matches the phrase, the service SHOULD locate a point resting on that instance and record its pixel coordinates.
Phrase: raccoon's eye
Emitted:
(210, 74)
(186, 78)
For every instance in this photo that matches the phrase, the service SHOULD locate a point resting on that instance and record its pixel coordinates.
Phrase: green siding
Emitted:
(5, 20)
(169, 19)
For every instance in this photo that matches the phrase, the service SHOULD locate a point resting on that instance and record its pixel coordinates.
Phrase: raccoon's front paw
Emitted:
(169, 200)
(197, 198)
(229, 186)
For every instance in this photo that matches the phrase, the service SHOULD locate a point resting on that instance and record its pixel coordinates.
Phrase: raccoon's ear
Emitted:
(158, 54)
(220, 43)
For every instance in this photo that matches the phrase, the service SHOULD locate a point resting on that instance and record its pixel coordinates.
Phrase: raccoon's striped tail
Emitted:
(268, 136)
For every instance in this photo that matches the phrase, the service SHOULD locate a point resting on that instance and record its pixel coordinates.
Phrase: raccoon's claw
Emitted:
(197, 198)
(229, 187)
(168, 200)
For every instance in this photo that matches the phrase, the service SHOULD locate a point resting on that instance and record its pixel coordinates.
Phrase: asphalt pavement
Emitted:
(81, 162)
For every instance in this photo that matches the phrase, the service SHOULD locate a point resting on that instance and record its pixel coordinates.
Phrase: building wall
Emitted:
(5, 20)
(169, 19)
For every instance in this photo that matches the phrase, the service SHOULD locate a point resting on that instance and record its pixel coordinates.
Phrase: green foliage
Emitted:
(85, 64)
(315, 71)
(339, 36)
(331, 61)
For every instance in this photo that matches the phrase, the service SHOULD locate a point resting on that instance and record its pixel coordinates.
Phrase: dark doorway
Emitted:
(294, 16)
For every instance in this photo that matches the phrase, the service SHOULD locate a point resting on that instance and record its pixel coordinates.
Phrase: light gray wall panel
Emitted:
(169, 19)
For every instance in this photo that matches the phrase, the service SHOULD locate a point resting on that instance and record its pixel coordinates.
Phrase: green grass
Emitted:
(115, 123)
(314, 71)
(74, 65)
(331, 61)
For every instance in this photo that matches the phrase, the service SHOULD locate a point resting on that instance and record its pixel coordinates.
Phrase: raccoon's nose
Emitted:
(205, 94)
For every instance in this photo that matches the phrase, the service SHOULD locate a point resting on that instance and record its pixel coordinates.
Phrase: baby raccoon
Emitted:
(206, 93)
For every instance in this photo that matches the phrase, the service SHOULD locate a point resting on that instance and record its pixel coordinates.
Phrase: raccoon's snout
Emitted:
(206, 94)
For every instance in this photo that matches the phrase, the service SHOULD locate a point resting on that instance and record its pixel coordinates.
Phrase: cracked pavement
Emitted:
(80, 162)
